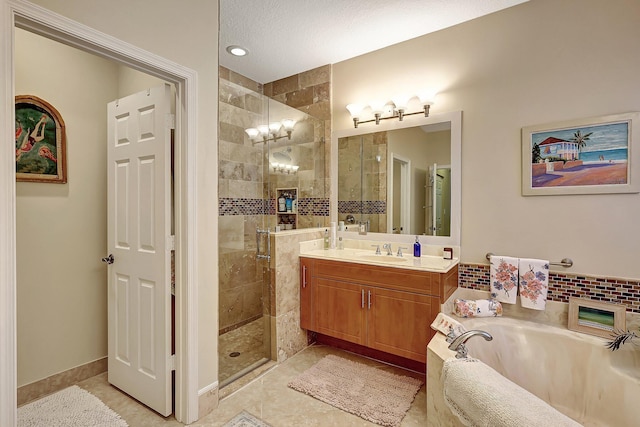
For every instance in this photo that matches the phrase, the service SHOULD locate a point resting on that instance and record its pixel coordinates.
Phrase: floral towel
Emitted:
(477, 308)
(504, 278)
(534, 283)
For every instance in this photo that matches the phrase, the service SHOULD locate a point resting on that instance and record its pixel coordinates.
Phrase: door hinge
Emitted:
(171, 243)
(172, 362)
(171, 121)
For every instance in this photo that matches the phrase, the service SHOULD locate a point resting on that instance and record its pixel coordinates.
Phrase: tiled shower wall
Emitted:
(310, 93)
(243, 165)
(241, 202)
(362, 179)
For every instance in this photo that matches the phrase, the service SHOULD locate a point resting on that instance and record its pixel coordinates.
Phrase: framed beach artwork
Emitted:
(40, 141)
(596, 317)
(588, 156)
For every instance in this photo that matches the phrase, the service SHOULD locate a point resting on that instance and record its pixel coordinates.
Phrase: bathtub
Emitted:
(573, 372)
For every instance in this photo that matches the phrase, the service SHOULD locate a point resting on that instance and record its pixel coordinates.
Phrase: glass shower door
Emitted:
(244, 277)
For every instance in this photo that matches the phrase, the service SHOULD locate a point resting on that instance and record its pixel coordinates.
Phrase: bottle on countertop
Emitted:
(340, 243)
(448, 253)
(416, 248)
(326, 239)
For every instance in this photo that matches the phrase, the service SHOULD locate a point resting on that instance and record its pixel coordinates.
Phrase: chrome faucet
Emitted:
(377, 249)
(387, 246)
(458, 346)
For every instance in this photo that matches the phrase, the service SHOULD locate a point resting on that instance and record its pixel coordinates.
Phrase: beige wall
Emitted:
(538, 62)
(185, 34)
(61, 228)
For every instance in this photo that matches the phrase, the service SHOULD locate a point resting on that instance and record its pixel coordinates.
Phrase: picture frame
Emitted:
(597, 155)
(41, 151)
(596, 317)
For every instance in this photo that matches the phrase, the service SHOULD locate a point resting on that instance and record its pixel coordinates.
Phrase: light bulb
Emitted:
(264, 130)
(401, 101)
(427, 97)
(288, 124)
(355, 110)
(274, 127)
(377, 106)
(237, 50)
(252, 132)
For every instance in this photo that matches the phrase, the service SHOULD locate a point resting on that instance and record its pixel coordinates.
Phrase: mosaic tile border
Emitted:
(313, 206)
(364, 206)
(562, 286)
(240, 206)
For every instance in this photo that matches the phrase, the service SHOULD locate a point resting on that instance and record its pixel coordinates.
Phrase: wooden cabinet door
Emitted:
(339, 310)
(399, 322)
(306, 292)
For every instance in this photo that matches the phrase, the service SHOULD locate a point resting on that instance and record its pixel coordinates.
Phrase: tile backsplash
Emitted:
(563, 285)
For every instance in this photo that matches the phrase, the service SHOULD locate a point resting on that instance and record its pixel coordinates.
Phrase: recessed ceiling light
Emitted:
(237, 50)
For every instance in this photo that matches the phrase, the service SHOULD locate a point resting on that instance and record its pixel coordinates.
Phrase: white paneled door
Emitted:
(139, 228)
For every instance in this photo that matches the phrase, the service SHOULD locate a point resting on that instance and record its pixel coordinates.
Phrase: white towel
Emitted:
(446, 325)
(480, 396)
(504, 278)
(534, 283)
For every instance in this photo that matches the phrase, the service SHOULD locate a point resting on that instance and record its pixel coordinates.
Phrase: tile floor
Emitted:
(267, 397)
(250, 344)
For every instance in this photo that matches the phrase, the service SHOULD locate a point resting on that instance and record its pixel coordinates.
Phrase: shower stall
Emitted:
(267, 150)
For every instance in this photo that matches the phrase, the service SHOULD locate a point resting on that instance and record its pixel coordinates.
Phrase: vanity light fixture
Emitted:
(261, 133)
(398, 107)
(284, 168)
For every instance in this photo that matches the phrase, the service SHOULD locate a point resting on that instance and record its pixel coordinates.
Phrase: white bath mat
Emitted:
(71, 407)
(370, 393)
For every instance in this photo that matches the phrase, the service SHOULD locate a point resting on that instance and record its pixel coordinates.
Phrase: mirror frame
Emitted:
(456, 173)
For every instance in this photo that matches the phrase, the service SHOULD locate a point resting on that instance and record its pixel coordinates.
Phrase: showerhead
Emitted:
(282, 156)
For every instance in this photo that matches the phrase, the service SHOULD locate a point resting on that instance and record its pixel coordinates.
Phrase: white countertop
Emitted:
(407, 261)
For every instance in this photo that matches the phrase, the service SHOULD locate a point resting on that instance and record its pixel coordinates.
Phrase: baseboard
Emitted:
(207, 399)
(62, 380)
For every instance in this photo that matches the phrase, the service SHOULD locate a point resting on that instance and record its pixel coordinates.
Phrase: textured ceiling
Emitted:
(285, 37)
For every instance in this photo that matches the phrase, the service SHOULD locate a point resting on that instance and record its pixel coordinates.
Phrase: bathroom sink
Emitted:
(383, 258)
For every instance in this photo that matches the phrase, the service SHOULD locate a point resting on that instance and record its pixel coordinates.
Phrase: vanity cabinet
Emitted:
(388, 309)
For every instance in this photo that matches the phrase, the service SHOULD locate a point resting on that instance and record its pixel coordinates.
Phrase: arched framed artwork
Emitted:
(41, 151)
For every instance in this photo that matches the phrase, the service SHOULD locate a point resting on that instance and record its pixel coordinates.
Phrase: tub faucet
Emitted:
(458, 343)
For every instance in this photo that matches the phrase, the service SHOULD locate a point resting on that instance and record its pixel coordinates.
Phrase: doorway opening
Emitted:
(63, 228)
(400, 193)
(55, 27)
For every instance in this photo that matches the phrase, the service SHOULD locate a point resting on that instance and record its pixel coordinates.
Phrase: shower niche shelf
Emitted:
(287, 208)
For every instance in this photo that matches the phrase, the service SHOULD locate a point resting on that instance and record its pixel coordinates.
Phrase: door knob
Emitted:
(108, 259)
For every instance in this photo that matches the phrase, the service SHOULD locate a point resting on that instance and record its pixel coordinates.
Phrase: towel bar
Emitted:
(565, 262)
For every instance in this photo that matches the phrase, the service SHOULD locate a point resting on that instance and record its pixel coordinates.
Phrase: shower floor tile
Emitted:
(241, 348)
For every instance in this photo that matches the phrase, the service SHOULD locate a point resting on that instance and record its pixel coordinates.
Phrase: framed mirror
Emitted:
(400, 178)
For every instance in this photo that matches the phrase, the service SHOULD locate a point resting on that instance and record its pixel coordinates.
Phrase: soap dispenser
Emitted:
(416, 248)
